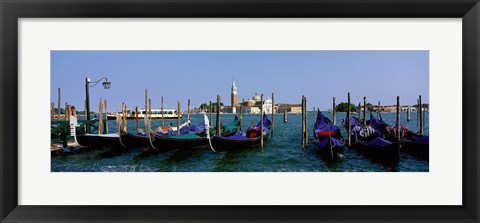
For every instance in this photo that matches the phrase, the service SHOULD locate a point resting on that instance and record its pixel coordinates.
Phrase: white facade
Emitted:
(267, 106)
(251, 110)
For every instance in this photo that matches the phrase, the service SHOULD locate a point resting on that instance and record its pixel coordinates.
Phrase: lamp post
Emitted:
(106, 85)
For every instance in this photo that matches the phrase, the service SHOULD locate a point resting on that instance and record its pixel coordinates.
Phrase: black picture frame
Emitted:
(11, 11)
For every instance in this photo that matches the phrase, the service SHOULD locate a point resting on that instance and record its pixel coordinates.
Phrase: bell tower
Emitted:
(234, 93)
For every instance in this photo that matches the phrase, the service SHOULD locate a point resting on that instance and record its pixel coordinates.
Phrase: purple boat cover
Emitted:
(354, 121)
(196, 128)
(141, 135)
(266, 122)
(321, 119)
(234, 137)
(323, 124)
(420, 139)
(379, 142)
(327, 142)
(378, 124)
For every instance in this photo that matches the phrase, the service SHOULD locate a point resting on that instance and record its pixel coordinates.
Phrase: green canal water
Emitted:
(282, 153)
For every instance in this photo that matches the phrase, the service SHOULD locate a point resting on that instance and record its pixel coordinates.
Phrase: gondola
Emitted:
(328, 138)
(98, 140)
(250, 139)
(132, 140)
(412, 143)
(93, 140)
(141, 140)
(186, 141)
(369, 142)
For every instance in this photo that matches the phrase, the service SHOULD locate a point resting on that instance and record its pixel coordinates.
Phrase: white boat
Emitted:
(156, 114)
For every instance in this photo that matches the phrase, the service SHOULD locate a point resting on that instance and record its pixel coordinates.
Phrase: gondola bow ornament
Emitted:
(207, 129)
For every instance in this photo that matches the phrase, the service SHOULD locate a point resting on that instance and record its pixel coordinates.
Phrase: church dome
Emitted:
(256, 97)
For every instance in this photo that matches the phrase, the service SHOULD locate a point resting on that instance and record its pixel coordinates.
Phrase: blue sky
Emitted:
(201, 75)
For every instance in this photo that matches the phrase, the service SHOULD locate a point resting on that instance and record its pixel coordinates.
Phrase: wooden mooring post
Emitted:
(100, 120)
(421, 114)
(120, 123)
(423, 117)
(106, 116)
(210, 111)
(306, 123)
(179, 112)
(378, 110)
(418, 113)
(163, 114)
(188, 113)
(261, 121)
(52, 106)
(218, 115)
(66, 111)
(334, 110)
(149, 112)
(398, 118)
(125, 119)
(136, 119)
(365, 111)
(241, 119)
(359, 110)
(86, 127)
(408, 114)
(348, 121)
(273, 114)
(147, 131)
(303, 122)
(58, 118)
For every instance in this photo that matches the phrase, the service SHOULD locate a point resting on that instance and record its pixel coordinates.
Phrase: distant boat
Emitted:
(250, 139)
(328, 138)
(156, 114)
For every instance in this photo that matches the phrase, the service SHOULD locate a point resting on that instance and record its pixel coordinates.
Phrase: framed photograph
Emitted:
(239, 111)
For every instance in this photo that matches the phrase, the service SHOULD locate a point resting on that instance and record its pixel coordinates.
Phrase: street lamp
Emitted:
(106, 85)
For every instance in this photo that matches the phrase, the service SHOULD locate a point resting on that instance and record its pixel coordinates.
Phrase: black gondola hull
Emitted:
(93, 141)
(170, 143)
(389, 153)
(332, 154)
(134, 141)
(417, 149)
(225, 144)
